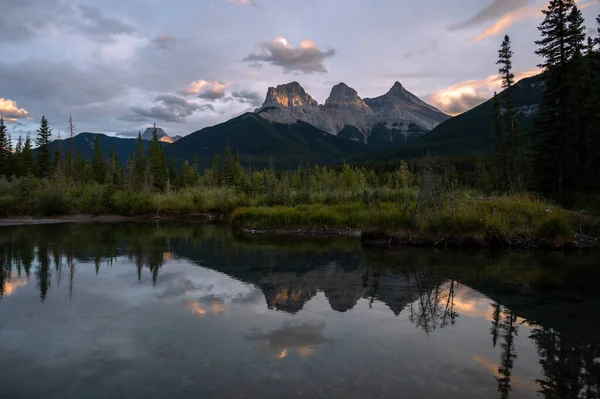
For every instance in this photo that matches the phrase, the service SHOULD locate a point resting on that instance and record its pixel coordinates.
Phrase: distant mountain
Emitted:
(85, 142)
(472, 132)
(257, 139)
(393, 118)
(162, 135)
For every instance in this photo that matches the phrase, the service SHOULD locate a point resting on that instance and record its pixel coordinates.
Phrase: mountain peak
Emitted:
(344, 95)
(289, 95)
(397, 90)
(162, 135)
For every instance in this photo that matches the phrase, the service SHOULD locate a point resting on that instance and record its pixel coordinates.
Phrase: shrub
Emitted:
(554, 227)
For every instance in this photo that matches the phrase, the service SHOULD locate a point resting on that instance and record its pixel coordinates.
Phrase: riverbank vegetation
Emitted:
(517, 196)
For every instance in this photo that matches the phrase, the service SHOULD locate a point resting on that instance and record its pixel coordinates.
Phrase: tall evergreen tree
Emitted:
(509, 113)
(18, 157)
(156, 162)
(28, 166)
(4, 150)
(70, 158)
(553, 139)
(139, 168)
(98, 163)
(44, 156)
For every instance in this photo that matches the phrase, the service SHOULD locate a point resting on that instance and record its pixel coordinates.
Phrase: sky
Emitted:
(118, 66)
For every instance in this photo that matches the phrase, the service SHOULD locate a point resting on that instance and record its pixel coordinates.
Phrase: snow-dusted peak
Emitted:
(290, 95)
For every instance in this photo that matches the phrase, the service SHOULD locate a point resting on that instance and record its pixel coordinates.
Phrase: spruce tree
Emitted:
(44, 156)
(509, 113)
(28, 166)
(18, 158)
(4, 150)
(98, 163)
(156, 162)
(139, 169)
(553, 137)
(501, 159)
(70, 158)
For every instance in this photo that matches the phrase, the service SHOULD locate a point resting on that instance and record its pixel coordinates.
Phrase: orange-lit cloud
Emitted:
(207, 90)
(214, 308)
(516, 381)
(11, 111)
(11, 285)
(532, 12)
(463, 96)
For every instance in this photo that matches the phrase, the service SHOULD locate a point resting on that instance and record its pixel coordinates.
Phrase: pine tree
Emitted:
(553, 138)
(27, 158)
(4, 150)
(98, 163)
(43, 151)
(70, 158)
(139, 169)
(18, 158)
(156, 162)
(510, 130)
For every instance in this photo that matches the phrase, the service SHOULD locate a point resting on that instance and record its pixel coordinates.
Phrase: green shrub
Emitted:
(554, 227)
(54, 199)
(130, 203)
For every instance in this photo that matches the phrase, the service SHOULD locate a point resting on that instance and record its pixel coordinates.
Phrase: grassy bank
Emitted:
(495, 221)
(416, 210)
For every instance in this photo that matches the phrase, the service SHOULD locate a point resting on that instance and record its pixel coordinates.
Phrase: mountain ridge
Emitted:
(397, 110)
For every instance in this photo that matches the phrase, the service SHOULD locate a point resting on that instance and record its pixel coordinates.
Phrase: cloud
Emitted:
(206, 90)
(306, 58)
(27, 19)
(243, 2)
(10, 111)
(463, 96)
(497, 9)
(164, 41)
(247, 97)
(505, 13)
(168, 108)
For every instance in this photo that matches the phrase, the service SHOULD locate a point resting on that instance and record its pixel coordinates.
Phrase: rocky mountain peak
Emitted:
(162, 135)
(398, 90)
(343, 96)
(290, 95)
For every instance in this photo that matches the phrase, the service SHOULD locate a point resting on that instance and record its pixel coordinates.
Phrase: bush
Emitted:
(130, 203)
(554, 228)
(54, 199)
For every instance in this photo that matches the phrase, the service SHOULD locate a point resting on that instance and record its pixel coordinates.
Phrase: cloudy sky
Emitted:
(117, 66)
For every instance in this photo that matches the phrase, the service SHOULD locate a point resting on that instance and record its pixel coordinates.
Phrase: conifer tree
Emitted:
(4, 150)
(156, 162)
(43, 151)
(509, 113)
(18, 157)
(501, 159)
(553, 141)
(98, 163)
(28, 166)
(139, 169)
(70, 158)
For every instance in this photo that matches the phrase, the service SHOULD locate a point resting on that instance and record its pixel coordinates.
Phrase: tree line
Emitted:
(562, 156)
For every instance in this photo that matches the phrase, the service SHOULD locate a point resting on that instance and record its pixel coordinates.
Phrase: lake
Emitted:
(196, 311)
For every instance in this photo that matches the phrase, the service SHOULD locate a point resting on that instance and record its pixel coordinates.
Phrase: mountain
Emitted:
(85, 142)
(258, 139)
(472, 132)
(393, 118)
(162, 135)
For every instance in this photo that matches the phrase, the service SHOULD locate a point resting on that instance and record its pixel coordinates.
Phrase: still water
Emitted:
(193, 311)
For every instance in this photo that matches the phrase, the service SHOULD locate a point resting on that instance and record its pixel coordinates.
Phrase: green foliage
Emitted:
(554, 227)
(5, 150)
(98, 163)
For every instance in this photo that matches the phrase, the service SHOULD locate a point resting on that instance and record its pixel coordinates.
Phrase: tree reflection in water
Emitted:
(423, 283)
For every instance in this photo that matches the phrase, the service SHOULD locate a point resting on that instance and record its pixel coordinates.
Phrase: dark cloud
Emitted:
(495, 10)
(133, 118)
(164, 42)
(212, 93)
(247, 97)
(26, 19)
(171, 108)
(306, 58)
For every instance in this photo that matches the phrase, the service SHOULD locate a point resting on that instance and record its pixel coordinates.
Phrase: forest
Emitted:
(541, 188)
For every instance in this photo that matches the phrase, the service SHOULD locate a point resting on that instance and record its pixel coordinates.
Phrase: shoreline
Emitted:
(87, 218)
(367, 237)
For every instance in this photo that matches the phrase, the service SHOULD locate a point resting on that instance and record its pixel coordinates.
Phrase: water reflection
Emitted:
(552, 299)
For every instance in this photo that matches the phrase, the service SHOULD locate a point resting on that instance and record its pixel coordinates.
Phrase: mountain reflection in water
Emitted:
(536, 314)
